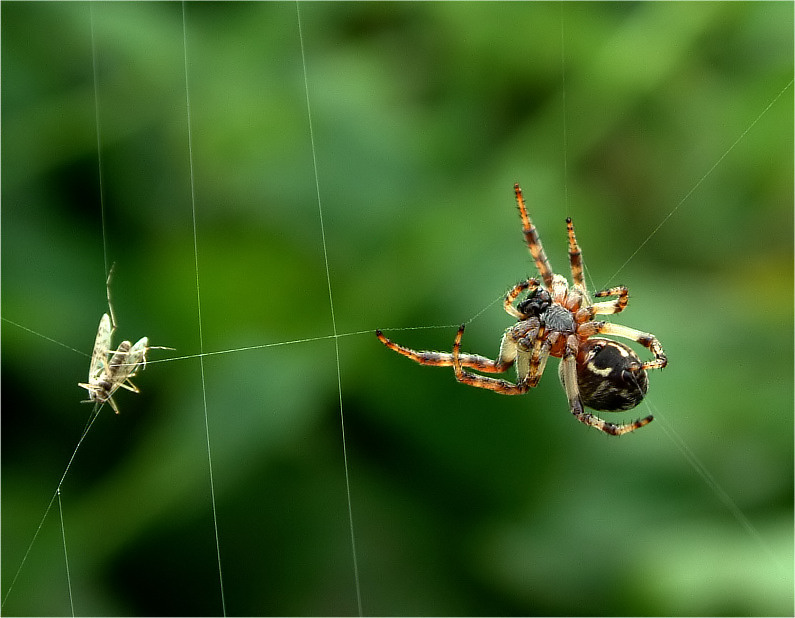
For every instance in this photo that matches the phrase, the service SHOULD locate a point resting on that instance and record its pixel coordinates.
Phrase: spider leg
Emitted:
(538, 359)
(445, 359)
(512, 294)
(569, 376)
(617, 305)
(647, 340)
(503, 387)
(532, 240)
(575, 259)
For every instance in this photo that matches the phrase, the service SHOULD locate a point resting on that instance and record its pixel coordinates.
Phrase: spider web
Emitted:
(454, 493)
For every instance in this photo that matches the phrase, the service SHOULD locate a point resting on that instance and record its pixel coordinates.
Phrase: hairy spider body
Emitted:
(557, 320)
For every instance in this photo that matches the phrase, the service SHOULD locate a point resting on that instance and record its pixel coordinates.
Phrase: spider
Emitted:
(557, 320)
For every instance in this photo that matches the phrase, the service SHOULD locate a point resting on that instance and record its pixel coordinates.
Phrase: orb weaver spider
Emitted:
(557, 320)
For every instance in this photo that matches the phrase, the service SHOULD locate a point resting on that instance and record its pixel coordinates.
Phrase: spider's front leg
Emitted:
(607, 307)
(575, 259)
(531, 284)
(568, 373)
(532, 240)
(503, 387)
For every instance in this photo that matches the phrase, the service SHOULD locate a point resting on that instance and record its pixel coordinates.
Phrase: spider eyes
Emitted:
(535, 304)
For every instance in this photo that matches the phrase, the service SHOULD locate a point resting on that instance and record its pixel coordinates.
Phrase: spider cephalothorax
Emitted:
(557, 320)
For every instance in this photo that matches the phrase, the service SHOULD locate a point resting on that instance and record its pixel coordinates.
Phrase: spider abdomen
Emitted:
(610, 376)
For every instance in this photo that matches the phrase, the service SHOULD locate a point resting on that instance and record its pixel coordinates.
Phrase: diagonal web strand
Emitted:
(96, 410)
(702, 179)
(55, 495)
(696, 465)
(66, 554)
(331, 308)
(199, 313)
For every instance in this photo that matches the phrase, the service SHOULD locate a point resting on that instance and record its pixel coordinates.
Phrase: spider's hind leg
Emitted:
(503, 387)
(445, 359)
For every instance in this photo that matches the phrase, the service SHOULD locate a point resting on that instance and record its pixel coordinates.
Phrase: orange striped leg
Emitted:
(512, 294)
(532, 240)
(445, 359)
(617, 305)
(539, 357)
(647, 340)
(503, 387)
(575, 257)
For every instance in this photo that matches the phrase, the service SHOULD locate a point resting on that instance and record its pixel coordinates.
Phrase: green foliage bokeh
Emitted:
(650, 124)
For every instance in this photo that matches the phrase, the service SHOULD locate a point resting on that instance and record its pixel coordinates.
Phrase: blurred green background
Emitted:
(424, 115)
